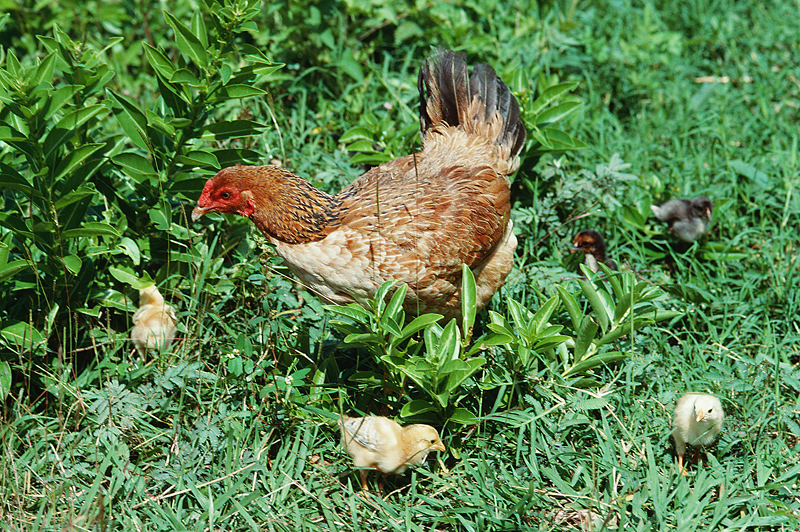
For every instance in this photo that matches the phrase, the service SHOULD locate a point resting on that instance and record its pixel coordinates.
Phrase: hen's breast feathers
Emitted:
(414, 220)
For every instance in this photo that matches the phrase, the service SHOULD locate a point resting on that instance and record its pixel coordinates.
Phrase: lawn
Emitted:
(554, 404)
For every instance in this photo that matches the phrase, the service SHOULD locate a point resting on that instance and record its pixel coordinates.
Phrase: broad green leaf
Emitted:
(231, 129)
(135, 165)
(20, 334)
(75, 195)
(132, 120)
(10, 269)
(418, 323)
(125, 275)
(595, 300)
(200, 158)
(550, 95)
(130, 248)
(57, 98)
(10, 178)
(5, 380)
(448, 345)
(236, 91)
(416, 408)
(91, 229)
(586, 335)
(468, 301)
(542, 316)
(44, 70)
(187, 42)
(593, 361)
(355, 312)
(463, 416)
(557, 112)
(356, 133)
(72, 263)
(571, 305)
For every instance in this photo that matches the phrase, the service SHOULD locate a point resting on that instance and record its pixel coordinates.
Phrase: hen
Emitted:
(416, 219)
(591, 243)
(154, 322)
(697, 420)
(382, 444)
(688, 219)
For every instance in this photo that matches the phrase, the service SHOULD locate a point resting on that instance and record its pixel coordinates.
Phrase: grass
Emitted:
(235, 427)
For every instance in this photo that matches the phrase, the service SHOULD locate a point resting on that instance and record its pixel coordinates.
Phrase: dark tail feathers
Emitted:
(446, 92)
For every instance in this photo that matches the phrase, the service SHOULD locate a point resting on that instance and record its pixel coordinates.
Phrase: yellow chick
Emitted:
(697, 421)
(382, 444)
(154, 322)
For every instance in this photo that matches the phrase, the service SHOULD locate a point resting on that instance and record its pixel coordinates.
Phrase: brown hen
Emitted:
(416, 219)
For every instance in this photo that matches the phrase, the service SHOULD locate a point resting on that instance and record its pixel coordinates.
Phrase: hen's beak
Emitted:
(199, 211)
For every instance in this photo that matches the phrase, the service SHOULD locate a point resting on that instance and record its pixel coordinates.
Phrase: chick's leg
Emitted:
(363, 473)
(680, 464)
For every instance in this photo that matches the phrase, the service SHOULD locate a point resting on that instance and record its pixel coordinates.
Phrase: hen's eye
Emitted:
(225, 195)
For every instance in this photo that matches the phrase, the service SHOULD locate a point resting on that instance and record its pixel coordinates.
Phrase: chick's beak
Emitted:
(708, 214)
(700, 416)
(439, 446)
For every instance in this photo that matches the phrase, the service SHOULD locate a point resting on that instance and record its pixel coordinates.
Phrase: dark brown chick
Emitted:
(591, 243)
(414, 220)
(688, 219)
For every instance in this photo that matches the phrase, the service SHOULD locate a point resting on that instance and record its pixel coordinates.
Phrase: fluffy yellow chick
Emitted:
(382, 444)
(697, 421)
(154, 322)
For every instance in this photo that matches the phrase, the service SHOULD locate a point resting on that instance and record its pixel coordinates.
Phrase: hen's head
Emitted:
(228, 191)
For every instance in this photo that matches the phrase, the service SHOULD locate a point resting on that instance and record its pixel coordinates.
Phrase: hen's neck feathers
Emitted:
(287, 207)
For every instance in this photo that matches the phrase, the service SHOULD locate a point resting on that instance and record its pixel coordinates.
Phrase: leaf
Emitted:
(595, 300)
(131, 119)
(20, 334)
(468, 301)
(571, 305)
(10, 269)
(200, 158)
(356, 133)
(187, 42)
(5, 380)
(72, 263)
(135, 165)
(462, 416)
(75, 159)
(231, 129)
(236, 91)
(416, 408)
(91, 229)
(586, 335)
(160, 62)
(550, 95)
(125, 275)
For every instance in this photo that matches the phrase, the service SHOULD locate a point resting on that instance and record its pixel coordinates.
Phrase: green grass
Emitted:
(235, 427)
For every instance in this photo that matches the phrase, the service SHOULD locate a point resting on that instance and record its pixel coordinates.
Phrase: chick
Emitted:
(697, 421)
(154, 322)
(382, 444)
(591, 243)
(688, 219)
